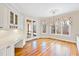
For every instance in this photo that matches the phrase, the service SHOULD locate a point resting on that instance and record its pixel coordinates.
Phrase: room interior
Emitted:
(39, 29)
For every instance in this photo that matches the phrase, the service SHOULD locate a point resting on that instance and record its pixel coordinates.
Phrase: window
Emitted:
(44, 28)
(52, 29)
(58, 27)
(66, 27)
(11, 17)
(63, 27)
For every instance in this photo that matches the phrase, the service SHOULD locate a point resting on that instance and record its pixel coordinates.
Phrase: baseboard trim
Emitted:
(59, 39)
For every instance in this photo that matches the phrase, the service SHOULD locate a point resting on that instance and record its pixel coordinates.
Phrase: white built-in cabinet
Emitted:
(2, 51)
(4, 17)
(7, 51)
(10, 19)
(10, 50)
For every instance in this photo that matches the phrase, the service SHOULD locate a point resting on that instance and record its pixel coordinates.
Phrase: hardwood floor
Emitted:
(47, 47)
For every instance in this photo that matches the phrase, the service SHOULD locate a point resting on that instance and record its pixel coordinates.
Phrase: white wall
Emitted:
(74, 26)
(75, 21)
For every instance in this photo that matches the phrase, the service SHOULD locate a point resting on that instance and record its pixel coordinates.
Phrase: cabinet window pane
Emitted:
(16, 19)
(11, 18)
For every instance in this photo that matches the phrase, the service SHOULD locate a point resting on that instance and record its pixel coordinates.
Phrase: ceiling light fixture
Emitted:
(53, 11)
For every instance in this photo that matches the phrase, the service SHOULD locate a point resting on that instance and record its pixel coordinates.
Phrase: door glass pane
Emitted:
(34, 27)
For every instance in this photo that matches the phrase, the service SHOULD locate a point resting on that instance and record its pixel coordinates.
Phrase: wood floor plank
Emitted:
(47, 47)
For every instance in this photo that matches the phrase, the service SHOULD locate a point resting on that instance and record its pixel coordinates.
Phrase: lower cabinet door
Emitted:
(10, 51)
(3, 52)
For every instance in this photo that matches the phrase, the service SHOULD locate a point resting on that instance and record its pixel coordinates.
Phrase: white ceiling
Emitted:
(43, 9)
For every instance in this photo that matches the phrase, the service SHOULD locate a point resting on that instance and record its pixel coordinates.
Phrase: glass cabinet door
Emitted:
(16, 19)
(11, 17)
